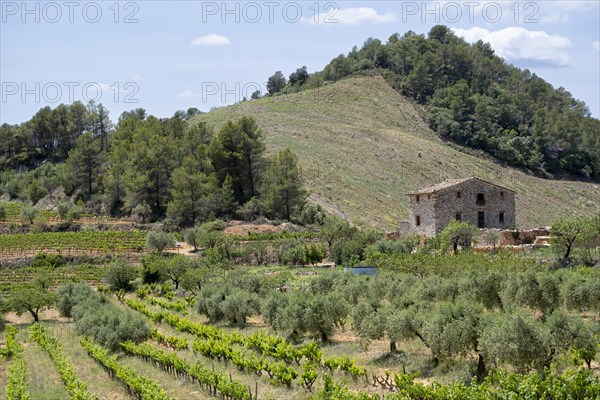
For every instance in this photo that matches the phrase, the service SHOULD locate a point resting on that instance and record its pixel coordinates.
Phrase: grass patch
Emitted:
(362, 147)
(44, 381)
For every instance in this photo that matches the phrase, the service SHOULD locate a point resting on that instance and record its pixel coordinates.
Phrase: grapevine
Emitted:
(76, 388)
(180, 306)
(72, 243)
(16, 389)
(170, 362)
(174, 342)
(142, 387)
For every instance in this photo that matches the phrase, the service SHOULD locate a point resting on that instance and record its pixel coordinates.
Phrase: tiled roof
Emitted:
(449, 183)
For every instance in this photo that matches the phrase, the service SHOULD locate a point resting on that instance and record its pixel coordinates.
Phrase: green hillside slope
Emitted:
(363, 146)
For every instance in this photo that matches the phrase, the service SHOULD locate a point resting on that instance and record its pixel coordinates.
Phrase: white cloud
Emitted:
(137, 78)
(351, 16)
(561, 11)
(556, 17)
(212, 39)
(520, 44)
(596, 45)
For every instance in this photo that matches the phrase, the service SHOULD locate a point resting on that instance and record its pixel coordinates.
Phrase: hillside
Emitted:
(363, 146)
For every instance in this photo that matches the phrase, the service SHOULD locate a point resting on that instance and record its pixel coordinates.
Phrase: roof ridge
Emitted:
(446, 183)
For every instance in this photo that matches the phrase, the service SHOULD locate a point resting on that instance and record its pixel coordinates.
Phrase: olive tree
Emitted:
(490, 237)
(539, 291)
(516, 338)
(457, 234)
(30, 299)
(159, 241)
(193, 236)
(570, 332)
(368, 323)
(567, 232)
(142, 211)
(174, 268)
(239, 305)
(28, 214)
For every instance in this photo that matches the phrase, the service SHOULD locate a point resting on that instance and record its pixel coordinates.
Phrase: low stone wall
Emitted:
(515, 237)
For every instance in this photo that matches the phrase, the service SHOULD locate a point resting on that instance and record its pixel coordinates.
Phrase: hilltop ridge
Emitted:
(363, 146)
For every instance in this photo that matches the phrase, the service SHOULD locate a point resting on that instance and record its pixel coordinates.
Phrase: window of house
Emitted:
(458, 194)
(458, 216)
(502, 195)
(428, 197)
(417, 199)
(418, 220)
(501, 217)
(480, 199)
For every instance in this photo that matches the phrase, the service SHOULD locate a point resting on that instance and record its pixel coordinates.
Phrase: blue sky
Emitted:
(165, 56)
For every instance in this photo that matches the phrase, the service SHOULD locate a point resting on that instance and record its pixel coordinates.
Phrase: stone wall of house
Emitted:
(424, 207)
(462, 199)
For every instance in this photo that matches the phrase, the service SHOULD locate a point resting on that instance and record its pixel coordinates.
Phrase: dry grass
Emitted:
(362, 147)
(44, 381)
(89, 371)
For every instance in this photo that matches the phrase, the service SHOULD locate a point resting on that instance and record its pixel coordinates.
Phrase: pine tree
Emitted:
(284, 194)
(85, 160)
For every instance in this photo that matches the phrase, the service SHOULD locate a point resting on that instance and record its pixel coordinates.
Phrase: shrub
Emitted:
(75, 212)
(71, 294)
(251, 210)
(150, 270)
(63, 210)
(405, 244)
(43, 260)
(291, 252)
(14, 188)
(2, 213)
(352, 249)
(36, 192)
(314, 253)
(120, 276)
(312, 214)
(97, 317)
(216, 225)
(40, 225)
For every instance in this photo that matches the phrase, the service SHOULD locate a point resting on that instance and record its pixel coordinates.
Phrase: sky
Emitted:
(166, 56)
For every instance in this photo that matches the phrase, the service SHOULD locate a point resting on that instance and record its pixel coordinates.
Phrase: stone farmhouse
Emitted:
(484, 204)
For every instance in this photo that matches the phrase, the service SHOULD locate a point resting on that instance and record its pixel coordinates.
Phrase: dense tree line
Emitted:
(51, 133)
(475, 99)
(147, 166)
